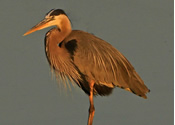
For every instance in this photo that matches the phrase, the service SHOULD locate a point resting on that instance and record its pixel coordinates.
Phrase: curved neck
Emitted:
(64, 27)
(57, 35)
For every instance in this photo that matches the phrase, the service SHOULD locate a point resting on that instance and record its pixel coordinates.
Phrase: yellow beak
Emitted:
(41, 25)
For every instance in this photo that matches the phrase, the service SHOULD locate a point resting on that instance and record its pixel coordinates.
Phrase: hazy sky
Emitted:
(141, 29)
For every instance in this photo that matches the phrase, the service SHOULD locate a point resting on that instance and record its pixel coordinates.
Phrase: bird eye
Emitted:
(51, 17)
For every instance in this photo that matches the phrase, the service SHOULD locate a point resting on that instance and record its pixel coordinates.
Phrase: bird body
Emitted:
(95, 65)
(92, 59)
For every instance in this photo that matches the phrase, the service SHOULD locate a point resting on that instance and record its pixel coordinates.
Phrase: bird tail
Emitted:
(137, 86)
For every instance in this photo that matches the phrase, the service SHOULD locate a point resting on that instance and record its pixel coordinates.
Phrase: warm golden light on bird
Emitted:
(92, 63)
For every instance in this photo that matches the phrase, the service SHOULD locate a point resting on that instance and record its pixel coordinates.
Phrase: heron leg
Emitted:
(91, 108)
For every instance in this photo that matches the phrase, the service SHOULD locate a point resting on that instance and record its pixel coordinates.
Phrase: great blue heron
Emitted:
(93, 64)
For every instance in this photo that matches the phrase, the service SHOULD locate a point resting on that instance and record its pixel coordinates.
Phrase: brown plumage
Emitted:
(95, 65)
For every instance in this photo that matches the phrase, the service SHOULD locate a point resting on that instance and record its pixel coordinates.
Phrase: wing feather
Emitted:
(104, 64)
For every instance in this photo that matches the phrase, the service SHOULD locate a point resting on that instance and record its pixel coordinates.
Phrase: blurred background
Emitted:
(141, 29)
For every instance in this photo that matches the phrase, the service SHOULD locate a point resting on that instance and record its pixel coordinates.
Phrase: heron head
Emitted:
(53, 18)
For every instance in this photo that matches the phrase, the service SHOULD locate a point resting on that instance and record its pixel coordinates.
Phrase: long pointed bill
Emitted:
(43, 24)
